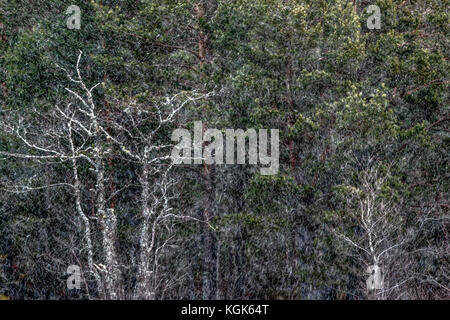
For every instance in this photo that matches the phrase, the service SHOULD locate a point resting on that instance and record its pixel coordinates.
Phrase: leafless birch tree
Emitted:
(80, 135)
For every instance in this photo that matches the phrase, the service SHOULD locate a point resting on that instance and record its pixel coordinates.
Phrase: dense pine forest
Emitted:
(96, 96)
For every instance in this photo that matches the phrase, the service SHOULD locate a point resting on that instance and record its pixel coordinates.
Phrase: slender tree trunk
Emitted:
(4, 87)
(240, 263)
(144, 289)
(84, 218)
(202, 38)
(208, 237)
(290, 100)
(108, 226)
(107, 219)
(87, 227)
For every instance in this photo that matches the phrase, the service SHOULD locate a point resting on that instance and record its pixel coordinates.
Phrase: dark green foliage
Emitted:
(347, 100)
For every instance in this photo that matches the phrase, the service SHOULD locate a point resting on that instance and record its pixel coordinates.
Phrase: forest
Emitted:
(120, 178)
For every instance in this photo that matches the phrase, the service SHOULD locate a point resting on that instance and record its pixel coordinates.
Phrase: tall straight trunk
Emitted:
(112, 186)
(108, 226)
(107, 219)
(290, 100)
(209, 240)
(87, 228)
(84, 218)
(144, 288)
(209, 237)
(202, 48)
(4, 87)
(240, 267)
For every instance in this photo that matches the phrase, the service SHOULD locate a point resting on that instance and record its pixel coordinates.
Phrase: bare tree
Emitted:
(79, 134)
(372, 224)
